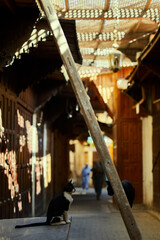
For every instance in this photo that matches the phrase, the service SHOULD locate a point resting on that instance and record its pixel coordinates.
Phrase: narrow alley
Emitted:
(79, 85)
(92, 219)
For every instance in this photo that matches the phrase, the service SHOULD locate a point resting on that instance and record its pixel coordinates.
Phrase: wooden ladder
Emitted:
(47, 7)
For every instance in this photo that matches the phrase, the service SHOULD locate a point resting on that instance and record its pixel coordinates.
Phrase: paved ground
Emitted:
(9, 232)
(101, 220)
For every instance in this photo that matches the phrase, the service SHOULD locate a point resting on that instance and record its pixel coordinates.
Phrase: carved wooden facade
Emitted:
(34, 103)
(16, 158)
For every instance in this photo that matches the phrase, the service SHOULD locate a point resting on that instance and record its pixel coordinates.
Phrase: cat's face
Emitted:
(69, 187)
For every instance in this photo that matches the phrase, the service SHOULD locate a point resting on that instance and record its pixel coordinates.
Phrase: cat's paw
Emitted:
(68, 221)
(58, 223)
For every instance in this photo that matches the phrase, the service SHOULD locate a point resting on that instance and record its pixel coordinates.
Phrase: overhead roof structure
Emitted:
(135, 20)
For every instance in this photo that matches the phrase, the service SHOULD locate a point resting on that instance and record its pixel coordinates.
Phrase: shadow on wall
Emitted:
(16, 165)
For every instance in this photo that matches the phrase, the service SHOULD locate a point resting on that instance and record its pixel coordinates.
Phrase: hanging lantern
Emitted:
(115, 56)
(115, 60)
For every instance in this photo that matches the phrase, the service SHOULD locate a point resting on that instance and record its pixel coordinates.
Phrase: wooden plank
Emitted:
(90, 119)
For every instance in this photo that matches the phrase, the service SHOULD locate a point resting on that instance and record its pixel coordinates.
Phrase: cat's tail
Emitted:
(31, 225)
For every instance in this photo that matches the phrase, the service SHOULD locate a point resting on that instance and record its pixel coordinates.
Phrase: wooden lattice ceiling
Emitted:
(95, 21)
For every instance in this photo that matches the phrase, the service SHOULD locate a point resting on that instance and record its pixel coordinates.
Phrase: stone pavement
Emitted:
(8, 231)
(101, 220)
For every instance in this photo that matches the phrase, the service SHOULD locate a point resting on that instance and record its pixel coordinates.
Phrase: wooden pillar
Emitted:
(90, 119)
(33, 163)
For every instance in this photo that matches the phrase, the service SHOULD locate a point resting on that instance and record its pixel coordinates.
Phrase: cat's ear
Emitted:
(71, 181)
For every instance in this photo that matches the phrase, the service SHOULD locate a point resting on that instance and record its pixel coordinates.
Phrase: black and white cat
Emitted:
(128, 188)
(58, 208)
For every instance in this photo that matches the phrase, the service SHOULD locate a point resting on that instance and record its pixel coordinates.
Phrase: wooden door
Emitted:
(156, 159)
(130, 153)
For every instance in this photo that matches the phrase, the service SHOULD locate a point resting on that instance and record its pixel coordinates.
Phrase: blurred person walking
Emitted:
(85, 176)
(98, 178)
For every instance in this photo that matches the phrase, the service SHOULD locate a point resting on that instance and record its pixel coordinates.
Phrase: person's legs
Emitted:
(96, 187)
(87, 182)
(83, 182)
(99, 187)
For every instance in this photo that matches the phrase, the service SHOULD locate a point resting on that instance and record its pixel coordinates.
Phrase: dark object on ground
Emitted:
(128, 188)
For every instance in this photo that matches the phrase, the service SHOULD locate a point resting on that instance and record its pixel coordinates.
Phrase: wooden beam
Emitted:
(90, 119)
(148, 4)
(106, 7)
(67, 6)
